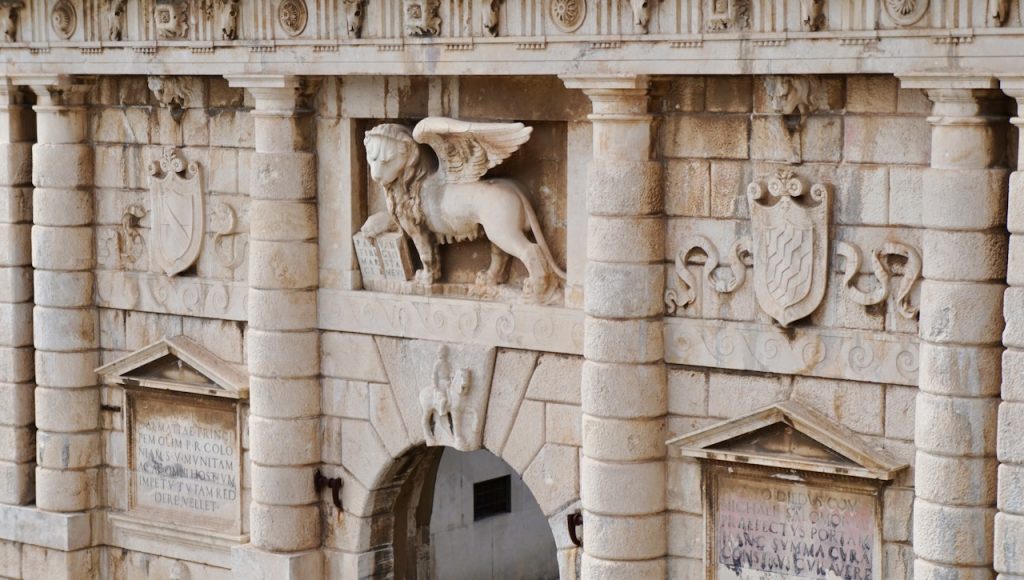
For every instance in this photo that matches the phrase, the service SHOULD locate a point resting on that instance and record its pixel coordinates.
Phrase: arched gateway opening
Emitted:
(452, 515)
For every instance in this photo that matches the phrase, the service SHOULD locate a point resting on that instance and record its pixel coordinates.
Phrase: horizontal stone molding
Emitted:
(855, 355)
(979, 50)
(152, 537)
(180, 295)
(524, 326)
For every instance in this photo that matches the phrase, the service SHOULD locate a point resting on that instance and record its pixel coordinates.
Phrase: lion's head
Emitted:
(399, 166)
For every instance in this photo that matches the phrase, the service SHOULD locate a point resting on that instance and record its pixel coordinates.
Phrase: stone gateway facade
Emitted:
(599, 289)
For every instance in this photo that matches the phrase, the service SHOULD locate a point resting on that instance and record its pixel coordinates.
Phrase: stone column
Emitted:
(17, 416)
(964, 253)
(1009, 524)
(622, 473)
(65, 322)
(282, 337)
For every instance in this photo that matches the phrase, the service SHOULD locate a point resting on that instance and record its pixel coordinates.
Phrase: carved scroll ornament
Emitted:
(883, 273)
(740, 259)
(790, 245)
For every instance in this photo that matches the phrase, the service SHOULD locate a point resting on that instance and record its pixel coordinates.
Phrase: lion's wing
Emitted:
(467, 150)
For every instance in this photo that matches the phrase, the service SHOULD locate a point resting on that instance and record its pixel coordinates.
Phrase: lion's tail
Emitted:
(539, 235)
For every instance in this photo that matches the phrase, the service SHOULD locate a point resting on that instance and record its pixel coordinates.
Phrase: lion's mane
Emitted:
(403, 195)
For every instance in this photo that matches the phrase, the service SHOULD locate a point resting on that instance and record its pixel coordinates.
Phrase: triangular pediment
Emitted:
(789, 435)
(178, 364)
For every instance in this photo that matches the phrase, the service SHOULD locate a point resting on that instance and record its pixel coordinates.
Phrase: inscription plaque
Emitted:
(772, 529)
(184, 460)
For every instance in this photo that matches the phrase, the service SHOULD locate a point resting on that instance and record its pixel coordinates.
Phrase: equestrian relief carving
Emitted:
(444, 404)
(454, 203)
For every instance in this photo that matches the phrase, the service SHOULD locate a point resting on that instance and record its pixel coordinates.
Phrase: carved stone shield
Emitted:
(178, 216)
(790, 246)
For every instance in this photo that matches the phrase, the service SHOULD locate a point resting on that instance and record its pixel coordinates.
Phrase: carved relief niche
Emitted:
(412, 243)
(803, 480)
(183, 414)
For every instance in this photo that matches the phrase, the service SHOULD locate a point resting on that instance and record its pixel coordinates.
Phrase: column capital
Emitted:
(57, 88)
(273, 94)
(614, 97)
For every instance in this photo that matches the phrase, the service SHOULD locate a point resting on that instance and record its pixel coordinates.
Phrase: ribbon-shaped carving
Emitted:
(741, 258)
(883, 272)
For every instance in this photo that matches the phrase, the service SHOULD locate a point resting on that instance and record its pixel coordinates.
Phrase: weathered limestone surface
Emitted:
(722, 207)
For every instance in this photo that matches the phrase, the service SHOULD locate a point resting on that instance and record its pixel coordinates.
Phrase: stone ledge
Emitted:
(833, 353)
(251, 563)
(57, 531)
(543, 328)
(182, 296)
(210, 548)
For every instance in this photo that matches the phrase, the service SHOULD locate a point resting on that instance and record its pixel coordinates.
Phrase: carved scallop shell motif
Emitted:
(64, 19)
(905, 12)
(292, 15)
(568, 15)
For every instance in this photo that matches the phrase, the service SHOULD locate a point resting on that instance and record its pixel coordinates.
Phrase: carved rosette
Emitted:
(789, 245)
(292, 15)
(568, 15)
(905, 12)
(64, 19)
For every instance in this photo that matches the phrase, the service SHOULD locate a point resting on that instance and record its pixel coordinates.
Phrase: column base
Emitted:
(251, 563)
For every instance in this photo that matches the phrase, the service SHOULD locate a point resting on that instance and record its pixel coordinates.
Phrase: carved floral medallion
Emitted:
(64, 19)
(789, 245)
(568, 15)
(905, 12)
(293, 15)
